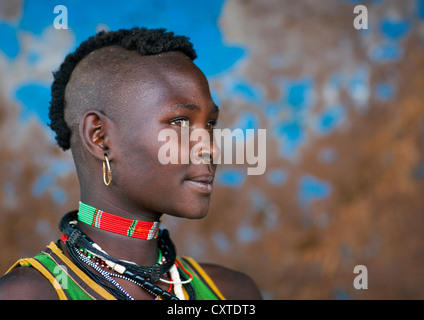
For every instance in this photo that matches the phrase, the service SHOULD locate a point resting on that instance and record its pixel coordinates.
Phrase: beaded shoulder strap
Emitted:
(67, 279)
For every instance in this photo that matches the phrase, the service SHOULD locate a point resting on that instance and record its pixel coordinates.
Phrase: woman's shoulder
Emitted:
(234, 285)
(26, 283)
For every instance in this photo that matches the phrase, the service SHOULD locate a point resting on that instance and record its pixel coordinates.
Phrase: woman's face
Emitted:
(171, 94)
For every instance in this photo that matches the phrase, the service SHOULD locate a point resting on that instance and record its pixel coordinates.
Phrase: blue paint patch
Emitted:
(297, 98)
(341, 294)
(233, 178)
(292, 136)
(336, 80)
(395, 29)
(34, 98)
(358, 87)
(46, 181)
(322, 220)
(42, 184)
(387, 51)
(420, 8)
(247, 234)
(9, 43)
(271, 111)
(37, 15)
(197, 20)
(328, 155)
(33, 57)
(258, 199)
(276, 61)
(221, 241)
(312, 189)
(271, 219)
(247, 120)
(59, 195)
(346, 252)
(247, 91)
(385, 91)
(43, 227)
(215, 97)
(277, 177)
(299, 93)
(60, 167)
(360, 1)
(330, 119)
(8, 190)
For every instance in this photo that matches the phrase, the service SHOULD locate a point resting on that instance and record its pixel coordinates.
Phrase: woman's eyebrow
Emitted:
(194, 107)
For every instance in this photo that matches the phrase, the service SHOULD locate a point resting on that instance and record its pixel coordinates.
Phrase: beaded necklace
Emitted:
(173, 272)
(116, 224)
(109, 267)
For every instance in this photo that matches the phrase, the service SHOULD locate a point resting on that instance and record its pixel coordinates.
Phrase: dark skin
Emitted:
(149, 94)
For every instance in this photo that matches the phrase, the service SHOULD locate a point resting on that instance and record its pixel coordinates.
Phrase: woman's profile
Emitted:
(111, 98)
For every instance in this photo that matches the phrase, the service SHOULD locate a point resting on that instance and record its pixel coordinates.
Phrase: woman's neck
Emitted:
(120, 246)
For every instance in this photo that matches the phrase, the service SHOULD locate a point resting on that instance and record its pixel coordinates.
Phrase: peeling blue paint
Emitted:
(277, 177)
(299, 93)
(395, 29)
(247, 234)
(386, 51)
(385, 91)
(247, 120)
(85, 16)
(9, 43)
(221, 241)
(59, 195)
(341, 294)
(311, 189)
(8, 189)
(330, 119)
(291, 138)
(420, 9)
(231, 177)
(258, 199)
(43, 227)
(42, 184)
(247, 91)
(328, 155)
(34, 98)
(33, 57)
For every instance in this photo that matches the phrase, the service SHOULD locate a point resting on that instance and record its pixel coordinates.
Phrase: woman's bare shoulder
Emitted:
(234, 285)
(26, 283)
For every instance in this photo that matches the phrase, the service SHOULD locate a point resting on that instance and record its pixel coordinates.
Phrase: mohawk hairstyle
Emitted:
(143, 40)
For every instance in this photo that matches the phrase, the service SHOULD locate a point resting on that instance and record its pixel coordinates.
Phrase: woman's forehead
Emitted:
(112, 78)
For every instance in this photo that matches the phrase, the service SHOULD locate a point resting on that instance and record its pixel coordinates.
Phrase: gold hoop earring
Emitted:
(109, 172)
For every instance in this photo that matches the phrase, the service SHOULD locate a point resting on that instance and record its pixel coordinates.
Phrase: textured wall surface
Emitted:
(344, 114)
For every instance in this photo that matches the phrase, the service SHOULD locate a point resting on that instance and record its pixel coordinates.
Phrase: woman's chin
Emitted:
(193, 211)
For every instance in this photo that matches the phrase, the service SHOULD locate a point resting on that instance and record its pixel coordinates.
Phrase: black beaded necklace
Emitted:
(143, 276)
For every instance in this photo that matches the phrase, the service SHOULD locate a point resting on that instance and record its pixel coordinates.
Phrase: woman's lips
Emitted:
(202, 184)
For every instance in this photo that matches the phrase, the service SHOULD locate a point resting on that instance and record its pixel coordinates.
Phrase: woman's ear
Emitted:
(93, 132)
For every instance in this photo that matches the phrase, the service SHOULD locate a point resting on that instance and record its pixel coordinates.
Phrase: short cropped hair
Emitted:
(143, 40)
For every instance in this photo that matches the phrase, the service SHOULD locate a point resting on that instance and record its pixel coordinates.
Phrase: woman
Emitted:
(110, 100)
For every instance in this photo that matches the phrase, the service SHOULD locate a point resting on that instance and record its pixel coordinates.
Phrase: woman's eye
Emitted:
(180, 123)
(210, 124)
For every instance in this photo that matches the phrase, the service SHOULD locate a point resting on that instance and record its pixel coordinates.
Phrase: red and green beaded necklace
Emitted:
(116, 224)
